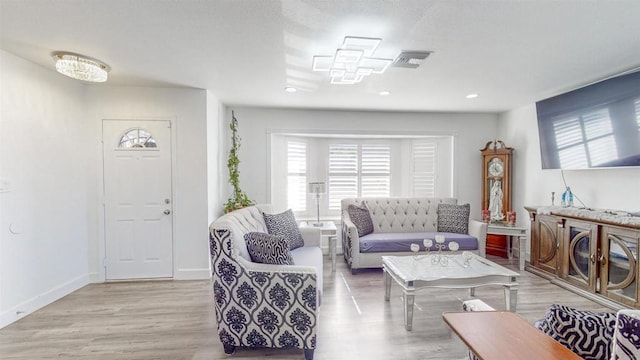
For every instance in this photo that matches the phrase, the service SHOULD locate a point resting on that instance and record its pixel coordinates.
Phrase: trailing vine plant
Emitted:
(239, 198)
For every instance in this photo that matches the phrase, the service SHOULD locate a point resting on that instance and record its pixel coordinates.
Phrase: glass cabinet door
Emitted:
(618, 265)
(581, 250)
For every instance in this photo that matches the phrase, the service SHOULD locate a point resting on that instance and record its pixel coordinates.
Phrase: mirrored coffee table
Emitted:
(455, 271)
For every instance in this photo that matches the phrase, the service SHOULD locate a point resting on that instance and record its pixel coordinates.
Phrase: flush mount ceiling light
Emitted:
(353, 61)
(80, 67)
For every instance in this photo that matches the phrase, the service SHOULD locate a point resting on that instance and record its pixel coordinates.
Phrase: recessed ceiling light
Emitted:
(472, 96)
(290, 89)
(384, 93)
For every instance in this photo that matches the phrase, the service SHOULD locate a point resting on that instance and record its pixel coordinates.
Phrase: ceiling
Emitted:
(511, 52)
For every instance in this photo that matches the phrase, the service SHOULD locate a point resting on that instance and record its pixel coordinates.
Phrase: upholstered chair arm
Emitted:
(350, 239)
(311, 236)
(479, 230)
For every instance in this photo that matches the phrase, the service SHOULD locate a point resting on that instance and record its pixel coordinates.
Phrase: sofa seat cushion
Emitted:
(310, 256)
(401, 242)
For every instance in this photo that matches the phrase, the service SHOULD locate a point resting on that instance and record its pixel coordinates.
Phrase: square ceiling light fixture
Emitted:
(80, 67)
(353, 61)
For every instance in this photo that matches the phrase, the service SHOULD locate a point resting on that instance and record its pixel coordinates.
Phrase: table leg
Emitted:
(409, 298)
(332, 251)
(509, 248)
(387, 285)
(472, 291)
(522, 246)
(511, 297)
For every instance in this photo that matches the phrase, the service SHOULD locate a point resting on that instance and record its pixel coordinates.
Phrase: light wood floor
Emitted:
(176, 320)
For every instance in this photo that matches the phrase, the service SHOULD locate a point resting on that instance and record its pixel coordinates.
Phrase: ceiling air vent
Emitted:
(411, 59)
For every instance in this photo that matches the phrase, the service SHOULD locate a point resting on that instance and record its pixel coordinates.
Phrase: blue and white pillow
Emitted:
(587, 333)
(268, 249)
(285, 225)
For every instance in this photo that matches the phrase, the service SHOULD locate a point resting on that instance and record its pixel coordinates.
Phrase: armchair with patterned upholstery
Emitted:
(264, 305)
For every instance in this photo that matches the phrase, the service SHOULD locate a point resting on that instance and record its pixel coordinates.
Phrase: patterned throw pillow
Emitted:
(587, 333)
(453, 218)
(361, 218)
(626, 337)
(268, 249)
(285, 225)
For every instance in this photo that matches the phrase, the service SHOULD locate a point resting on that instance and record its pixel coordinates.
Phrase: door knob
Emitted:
(167, 212)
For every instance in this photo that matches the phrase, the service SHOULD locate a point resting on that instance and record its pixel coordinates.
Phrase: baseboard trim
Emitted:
(39, 301)
(192, 274)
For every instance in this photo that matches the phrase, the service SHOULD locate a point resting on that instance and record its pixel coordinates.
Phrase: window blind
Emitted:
(296, 175)
(423, 174)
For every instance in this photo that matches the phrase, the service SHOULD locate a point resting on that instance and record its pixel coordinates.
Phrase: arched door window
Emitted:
(136, 139)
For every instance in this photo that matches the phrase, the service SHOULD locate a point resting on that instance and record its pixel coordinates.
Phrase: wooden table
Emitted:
(504, 335)
(509, 231)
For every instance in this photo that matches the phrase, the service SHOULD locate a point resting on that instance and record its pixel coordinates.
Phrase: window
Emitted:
(137, 138)
(296, 175)
(356, 166)
(358, 170)
(585, 140)
(423, 171)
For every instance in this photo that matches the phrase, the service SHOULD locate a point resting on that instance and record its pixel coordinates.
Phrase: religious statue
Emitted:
(495, 201)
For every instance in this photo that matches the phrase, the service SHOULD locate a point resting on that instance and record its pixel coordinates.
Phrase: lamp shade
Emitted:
(317, 187)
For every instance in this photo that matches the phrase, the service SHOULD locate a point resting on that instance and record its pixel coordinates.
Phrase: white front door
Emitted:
(137, 199)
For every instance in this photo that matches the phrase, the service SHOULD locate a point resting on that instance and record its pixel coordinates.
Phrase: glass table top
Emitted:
(461, 265)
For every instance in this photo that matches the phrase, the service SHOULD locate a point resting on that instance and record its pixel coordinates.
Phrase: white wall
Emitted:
(597, 188)
(215, 161)
(46, 200)
(471, 131)
(187, 108)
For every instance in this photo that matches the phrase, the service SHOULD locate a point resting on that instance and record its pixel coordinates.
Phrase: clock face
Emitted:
(496, 168)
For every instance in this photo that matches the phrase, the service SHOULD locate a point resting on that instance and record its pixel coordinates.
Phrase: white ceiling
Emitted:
(511, 52)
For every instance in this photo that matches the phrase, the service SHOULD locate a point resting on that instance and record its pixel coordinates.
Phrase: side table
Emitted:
(519, 232)
(327, 229)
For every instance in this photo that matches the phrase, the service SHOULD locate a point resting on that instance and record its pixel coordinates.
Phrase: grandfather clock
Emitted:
(496, 189)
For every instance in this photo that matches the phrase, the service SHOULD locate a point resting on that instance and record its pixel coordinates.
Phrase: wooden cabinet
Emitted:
(545, 252)
(619, 265)
(597, 259)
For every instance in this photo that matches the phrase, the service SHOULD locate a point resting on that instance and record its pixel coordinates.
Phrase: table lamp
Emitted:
(316, 189)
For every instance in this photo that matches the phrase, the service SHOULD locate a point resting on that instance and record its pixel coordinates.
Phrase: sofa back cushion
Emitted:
(400, 214)
(240, 222)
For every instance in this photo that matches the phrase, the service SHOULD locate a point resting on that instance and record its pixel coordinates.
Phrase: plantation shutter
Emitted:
(423, 174)
(376, 170)
(343, 173)
(296, 175)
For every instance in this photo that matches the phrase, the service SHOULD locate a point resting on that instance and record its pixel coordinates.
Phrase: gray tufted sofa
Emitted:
(399, 222)
(264, 305)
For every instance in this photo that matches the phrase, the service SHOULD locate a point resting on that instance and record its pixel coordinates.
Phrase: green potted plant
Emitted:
(239, 198)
